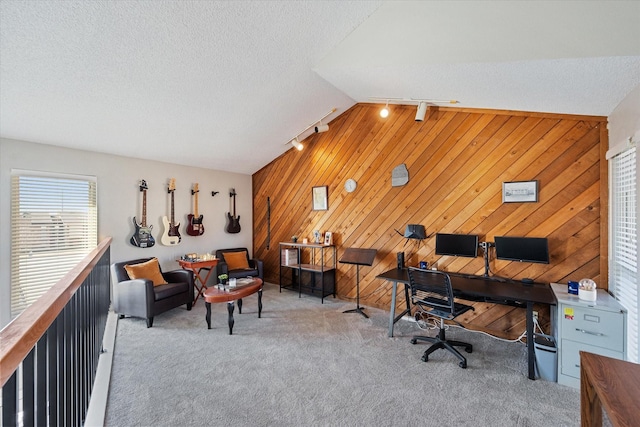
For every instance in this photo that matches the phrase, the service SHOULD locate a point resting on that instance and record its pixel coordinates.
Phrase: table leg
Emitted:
(230, 307)
(392, 313)
(208, 315)
(240, 306)
(260, 303)
(203, 282)
(531, 359)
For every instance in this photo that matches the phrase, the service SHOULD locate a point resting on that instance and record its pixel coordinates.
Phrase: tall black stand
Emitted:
(358, 257)
(485, 248)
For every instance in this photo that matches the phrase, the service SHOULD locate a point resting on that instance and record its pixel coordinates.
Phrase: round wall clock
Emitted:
(350, 185)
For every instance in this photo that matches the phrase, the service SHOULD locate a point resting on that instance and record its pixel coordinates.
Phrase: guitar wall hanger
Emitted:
(213, 193)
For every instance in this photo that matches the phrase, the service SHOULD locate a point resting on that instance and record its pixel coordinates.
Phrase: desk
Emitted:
(477, 288)
(196, 266)
(612, 383)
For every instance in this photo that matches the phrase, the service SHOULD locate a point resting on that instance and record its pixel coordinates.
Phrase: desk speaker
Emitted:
(400, 260)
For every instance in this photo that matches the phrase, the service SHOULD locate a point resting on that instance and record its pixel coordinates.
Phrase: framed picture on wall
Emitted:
(320, 198)
(328, 238)
(520, 192)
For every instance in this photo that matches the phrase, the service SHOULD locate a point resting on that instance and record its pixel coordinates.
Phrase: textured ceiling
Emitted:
(225, 85)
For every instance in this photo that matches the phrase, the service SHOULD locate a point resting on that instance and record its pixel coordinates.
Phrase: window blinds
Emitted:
(623, 280)
(53, 227)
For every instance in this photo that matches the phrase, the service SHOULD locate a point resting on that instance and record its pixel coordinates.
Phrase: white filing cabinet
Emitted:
(595, 326)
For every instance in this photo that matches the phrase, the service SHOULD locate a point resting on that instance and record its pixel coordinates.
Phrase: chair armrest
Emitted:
(131, 295)
(222, 268)
(258, 265)
(177, 276)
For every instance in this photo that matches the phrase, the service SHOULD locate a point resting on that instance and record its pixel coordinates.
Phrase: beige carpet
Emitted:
(308, 364)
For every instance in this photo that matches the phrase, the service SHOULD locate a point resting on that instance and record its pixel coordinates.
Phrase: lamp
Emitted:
(297, 144)
(422, 105)
(415, 231)
(321, 128)
(318, 129)
(384, 113)
(422, 111)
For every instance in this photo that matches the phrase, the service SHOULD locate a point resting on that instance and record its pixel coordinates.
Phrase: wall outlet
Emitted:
(535, 315)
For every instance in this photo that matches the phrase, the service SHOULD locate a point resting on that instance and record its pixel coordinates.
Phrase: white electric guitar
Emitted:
(171, 235)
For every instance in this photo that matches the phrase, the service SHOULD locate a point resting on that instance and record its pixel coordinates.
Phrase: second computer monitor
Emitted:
(457, 244)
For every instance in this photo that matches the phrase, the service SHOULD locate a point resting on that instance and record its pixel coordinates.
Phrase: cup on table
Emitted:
(232, 282)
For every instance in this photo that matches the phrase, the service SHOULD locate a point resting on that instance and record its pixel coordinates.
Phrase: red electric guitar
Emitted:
(195, 226)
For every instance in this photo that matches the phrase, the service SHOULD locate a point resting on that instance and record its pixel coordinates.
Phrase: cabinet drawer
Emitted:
(595, 327)
(570, 363)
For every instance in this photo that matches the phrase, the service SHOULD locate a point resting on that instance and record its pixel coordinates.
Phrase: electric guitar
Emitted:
(233, 226)
(142, 237)
(195, 227)
(171, 235)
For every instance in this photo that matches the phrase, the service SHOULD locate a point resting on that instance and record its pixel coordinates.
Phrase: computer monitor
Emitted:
(457, 244)
(522, 249)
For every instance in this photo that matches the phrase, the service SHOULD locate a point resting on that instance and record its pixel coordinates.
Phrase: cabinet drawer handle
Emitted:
(590, 333)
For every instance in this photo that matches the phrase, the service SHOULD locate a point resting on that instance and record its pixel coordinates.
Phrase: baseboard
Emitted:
(98, 402)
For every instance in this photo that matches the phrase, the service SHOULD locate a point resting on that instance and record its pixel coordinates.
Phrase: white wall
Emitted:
(624, 121)
(119, 200)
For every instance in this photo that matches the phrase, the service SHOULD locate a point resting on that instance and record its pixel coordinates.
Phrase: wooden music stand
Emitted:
(358, 257)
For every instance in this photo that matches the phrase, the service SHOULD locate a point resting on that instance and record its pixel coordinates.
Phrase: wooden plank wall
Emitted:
(457, 161)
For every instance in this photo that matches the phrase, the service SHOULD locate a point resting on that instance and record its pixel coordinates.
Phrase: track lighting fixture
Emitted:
(297, 144)
(384, 113)
(321, 128)
(422, 111)
(318, 129)
(423, 105)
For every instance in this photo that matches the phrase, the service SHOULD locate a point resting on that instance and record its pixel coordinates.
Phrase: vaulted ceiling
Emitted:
(226, 85)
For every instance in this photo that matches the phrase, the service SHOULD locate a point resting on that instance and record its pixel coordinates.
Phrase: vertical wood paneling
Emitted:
(457, 161)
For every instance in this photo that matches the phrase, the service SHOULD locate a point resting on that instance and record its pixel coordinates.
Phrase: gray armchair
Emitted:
(140, 298)
(235, 267)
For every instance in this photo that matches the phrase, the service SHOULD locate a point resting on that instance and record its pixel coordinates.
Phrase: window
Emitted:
(53, 227)
(623, 262)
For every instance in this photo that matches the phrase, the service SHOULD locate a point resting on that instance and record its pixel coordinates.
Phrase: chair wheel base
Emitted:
(414, 341)
(469, 349)
(463, 365)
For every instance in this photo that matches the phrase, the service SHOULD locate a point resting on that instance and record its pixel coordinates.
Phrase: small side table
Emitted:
(197, 266)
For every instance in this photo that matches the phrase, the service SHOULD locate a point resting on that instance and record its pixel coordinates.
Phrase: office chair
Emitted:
(431, 290)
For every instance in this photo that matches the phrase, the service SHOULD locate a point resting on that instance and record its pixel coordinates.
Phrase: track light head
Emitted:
(297, 144)
(422, 111)
(384, 113)
(321, 128)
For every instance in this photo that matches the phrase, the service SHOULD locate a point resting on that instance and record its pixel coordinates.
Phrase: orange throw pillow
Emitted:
(236, 260)
(146, 270)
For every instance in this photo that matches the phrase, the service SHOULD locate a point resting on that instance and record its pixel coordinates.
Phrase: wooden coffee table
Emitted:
(213, 295)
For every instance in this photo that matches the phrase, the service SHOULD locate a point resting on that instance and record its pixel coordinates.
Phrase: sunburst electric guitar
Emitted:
(171, 235)
(195, 226)
(142, 237)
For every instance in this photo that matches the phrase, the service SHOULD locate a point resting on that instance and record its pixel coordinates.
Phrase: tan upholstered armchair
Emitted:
(141, 289)
(236, 263)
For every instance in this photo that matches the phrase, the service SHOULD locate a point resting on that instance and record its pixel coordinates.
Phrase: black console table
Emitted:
(478, 288)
